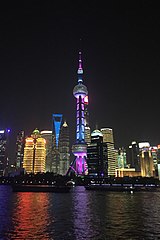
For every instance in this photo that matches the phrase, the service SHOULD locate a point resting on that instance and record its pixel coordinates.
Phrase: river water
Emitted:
(80, 214)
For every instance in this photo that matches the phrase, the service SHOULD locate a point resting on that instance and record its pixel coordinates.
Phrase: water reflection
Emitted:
(84, 226)
(111, 215)
(61, 214)
(5, 210)
(79, 215)
(30, 216)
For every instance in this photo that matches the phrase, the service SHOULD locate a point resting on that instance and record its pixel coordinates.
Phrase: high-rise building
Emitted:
(146, 159)
(64, 149)
(97, 156)
(4, 161)
(20, 149)
(34, 153)
(47, 135)
(111, 153)
(121, 158)
(79, 149)
(154, 151)
(158, 160)
(87, 135)
(57, 122)
(87, 130)
(133, 156)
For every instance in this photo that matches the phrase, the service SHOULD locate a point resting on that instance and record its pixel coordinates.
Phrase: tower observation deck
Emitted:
(79, 149)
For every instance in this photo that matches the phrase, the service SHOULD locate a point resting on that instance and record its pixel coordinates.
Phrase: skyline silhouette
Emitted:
(120, 53)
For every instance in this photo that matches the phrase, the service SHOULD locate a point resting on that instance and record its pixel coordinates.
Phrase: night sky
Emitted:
(120, 44)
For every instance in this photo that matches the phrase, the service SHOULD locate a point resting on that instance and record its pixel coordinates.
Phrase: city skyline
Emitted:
(120, 51)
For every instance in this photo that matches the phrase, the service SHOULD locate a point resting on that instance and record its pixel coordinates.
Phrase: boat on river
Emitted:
(40, 188)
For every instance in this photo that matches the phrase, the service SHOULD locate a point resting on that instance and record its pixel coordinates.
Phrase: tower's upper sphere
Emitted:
(80, 90)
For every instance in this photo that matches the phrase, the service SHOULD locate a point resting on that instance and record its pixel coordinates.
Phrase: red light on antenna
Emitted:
(86, 100)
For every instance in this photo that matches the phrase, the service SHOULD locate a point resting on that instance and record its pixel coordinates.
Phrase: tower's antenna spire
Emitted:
(80, 69)
(80, 60)
(96, 126)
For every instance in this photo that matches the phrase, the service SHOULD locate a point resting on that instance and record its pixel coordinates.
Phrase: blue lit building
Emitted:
(57, 121)
(56, 124)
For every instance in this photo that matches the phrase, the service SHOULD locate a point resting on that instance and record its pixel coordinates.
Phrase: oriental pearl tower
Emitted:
(79, 149)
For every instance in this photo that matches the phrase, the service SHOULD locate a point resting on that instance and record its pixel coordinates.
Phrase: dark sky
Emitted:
(39, 44)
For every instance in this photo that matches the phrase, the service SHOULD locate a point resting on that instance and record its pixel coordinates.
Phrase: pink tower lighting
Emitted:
(79, 149)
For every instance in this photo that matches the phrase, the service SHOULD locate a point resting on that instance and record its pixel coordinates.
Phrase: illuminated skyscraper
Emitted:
(34, 153)
(64, 149)
(47, 135)
(87, 130)
(97, 156)
(121, 158)
(154, 151)
(57, 121)
(158, 160)
(87, 135)
(111, 153)
(146, 160)
(20, 149)
(4, 134)
(79, 149)
(133, 156)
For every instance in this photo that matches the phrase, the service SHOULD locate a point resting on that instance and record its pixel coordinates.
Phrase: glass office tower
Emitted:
(97, 156)
(111, 153)
(64, 149)
(56, 124)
